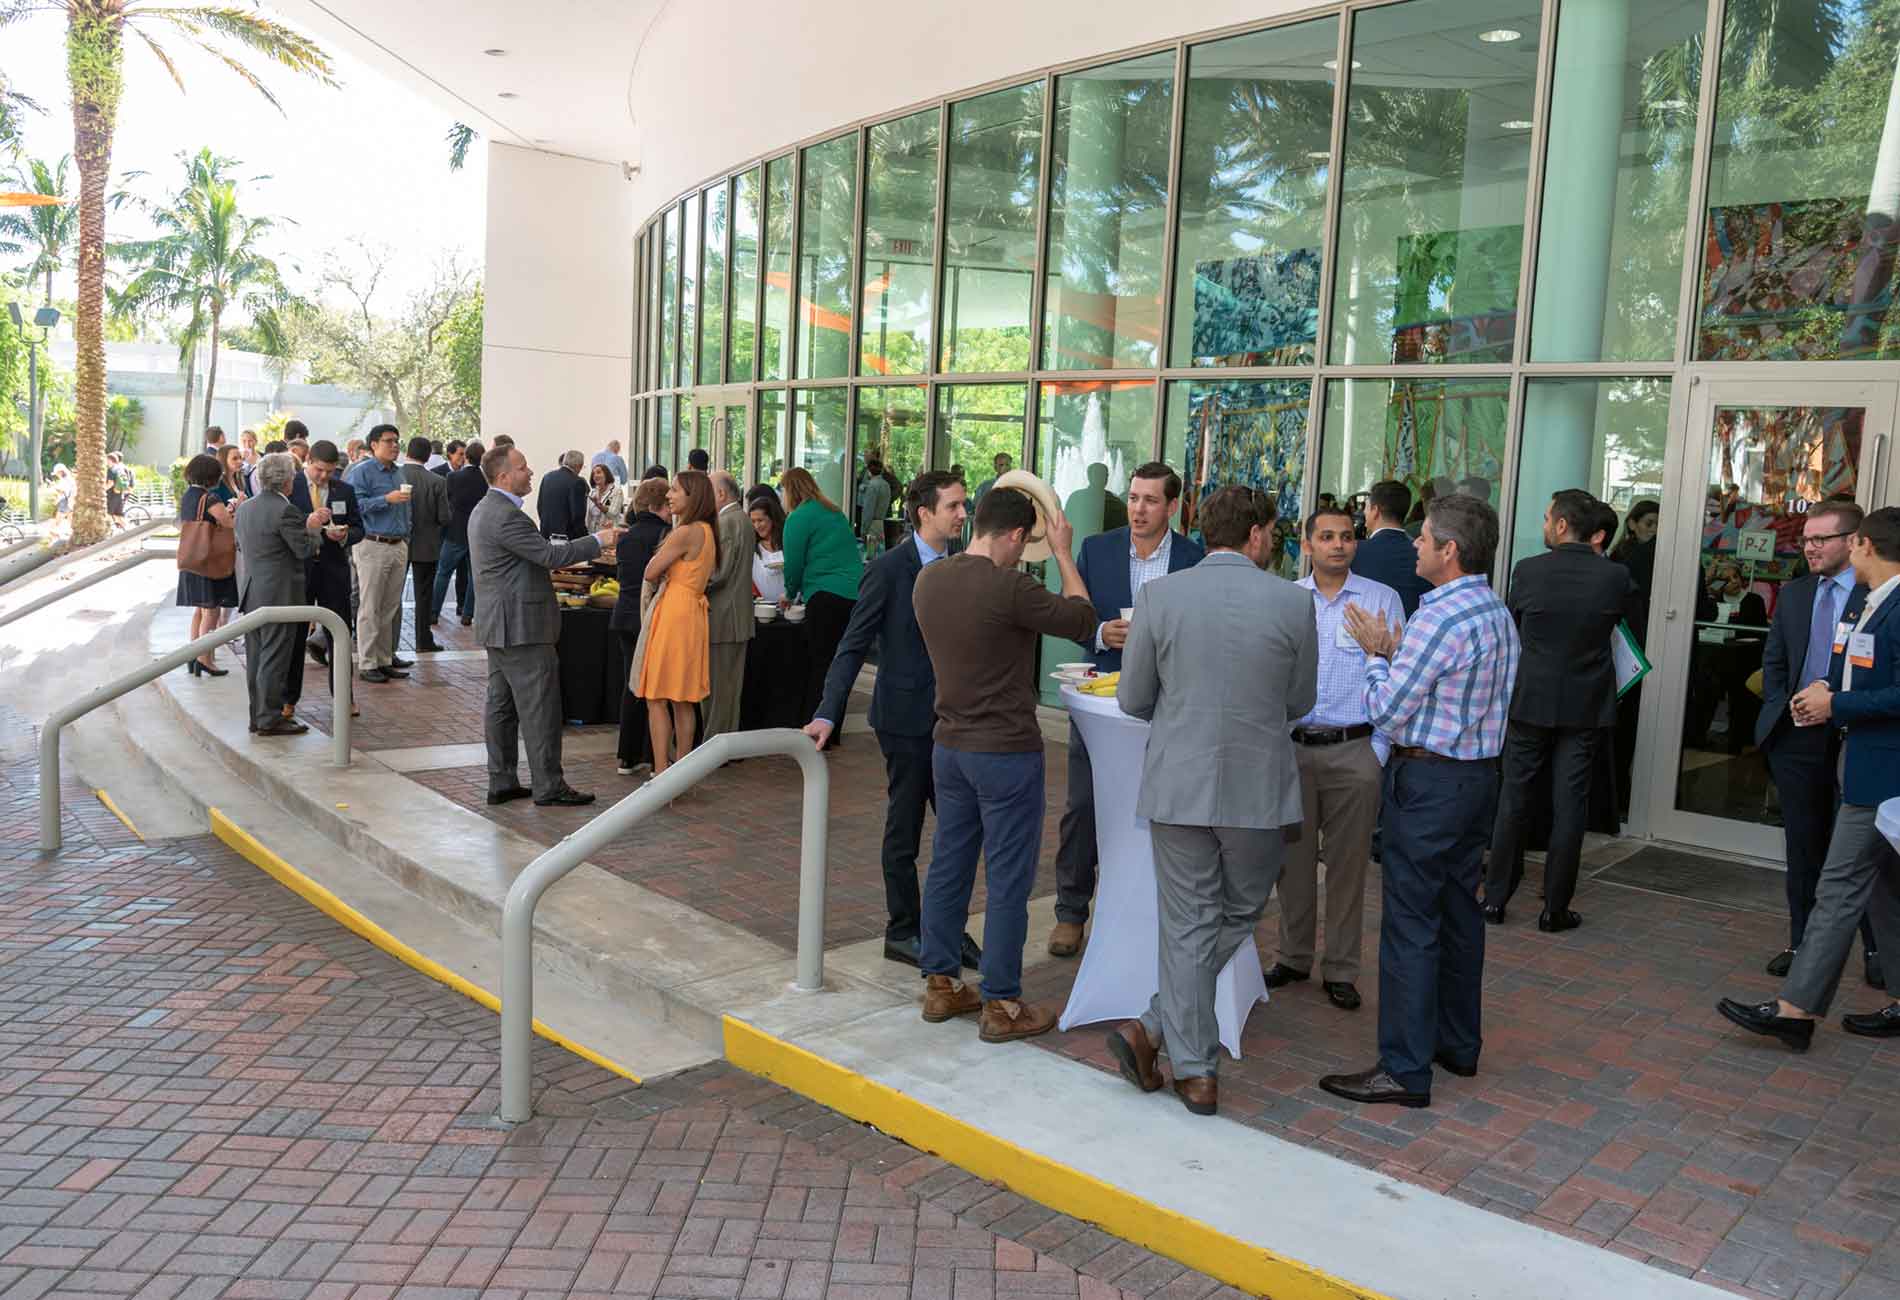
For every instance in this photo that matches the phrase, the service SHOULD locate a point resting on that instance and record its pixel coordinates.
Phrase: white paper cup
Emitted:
(1128, 612)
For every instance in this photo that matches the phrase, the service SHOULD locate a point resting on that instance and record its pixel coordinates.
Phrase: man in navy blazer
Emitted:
(903, 699)
(1802, 760)
(1114, 565)
(1861, 697)
(326, 574)
(1387, 554)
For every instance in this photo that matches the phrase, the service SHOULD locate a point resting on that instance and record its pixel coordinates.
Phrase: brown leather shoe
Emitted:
(946, 999)
(1006, 1019)
(1128, 1044)
(1065, 940)
(1200, 1096)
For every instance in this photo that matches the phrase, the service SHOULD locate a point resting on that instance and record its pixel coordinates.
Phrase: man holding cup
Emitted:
(381, 559)
(327, 572)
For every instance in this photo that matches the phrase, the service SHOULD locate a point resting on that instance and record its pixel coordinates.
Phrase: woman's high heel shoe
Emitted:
(192, 666)
(206, 670)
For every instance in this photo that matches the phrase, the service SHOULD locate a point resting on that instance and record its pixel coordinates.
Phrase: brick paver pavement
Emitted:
(210, 1089)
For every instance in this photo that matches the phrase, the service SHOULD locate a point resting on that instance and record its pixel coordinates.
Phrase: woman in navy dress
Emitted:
(208, 598)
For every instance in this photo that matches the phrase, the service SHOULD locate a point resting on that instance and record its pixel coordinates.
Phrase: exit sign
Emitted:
(904, 246)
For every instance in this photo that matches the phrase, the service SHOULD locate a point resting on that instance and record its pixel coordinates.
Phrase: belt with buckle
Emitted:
(1330, 735)
(1412, 751)
(387, 541)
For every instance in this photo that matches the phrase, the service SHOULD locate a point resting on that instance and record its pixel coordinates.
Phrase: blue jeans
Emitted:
(1437, 820)
(992, 805)
(453, 560)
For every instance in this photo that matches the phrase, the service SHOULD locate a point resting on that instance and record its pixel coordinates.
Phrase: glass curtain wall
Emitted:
(775, 437)
(742, 352)
(669, 298)
(689, 293)
(1251, 432)
(991, 193)
(774, 329)
(818, 438)
(890, 453)
(900, 245)
(827, 213)
(712, 317)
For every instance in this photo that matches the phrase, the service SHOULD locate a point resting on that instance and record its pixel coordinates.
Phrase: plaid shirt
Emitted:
(1342, 664)
(1448, 689)
(1140, 573)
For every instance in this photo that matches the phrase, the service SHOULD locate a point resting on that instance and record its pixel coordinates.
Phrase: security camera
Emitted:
(629, 170)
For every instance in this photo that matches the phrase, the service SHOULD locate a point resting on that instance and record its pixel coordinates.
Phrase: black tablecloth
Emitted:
(775, 667)
(593, 672)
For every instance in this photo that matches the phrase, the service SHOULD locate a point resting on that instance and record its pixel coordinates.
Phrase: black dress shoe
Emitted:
(1760, 1018)
(1282, 975)
(971, 954)
(909, 951)
(393, 673)
(1870, 969)
(281, 727)
(1445, 1061)
(208, 671)
(317, 653)
(375, 675)
(1884, 1023)
(566, 797)
(1374, 1087)
(1342, 994)
(428, 648)
(1558, 922)
(397, 661)
(505, 796)
(1779, 964)
(467, 619)
(1494, 915)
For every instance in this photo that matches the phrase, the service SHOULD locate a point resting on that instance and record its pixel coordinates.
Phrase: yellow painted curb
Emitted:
(1167, 1232)
(329, 904)
(118, 812)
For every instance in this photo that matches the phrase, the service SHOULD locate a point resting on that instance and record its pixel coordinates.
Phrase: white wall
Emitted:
(557, 332)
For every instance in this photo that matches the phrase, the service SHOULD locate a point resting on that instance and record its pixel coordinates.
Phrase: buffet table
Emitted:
(1118, 973)
(593, 671)
(775, 668)
(1887, 822)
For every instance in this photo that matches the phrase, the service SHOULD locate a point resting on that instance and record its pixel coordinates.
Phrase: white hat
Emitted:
(1037, 547)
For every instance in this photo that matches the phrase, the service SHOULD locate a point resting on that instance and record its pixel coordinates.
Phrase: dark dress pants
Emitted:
(1076, 857)
(1569, 753)
(636, 741)
(908, 784)
(328, 593)
(524, 703)
(1801, 761)
(826, 617)
(1431, 937)
(266, 652)
(422, 576)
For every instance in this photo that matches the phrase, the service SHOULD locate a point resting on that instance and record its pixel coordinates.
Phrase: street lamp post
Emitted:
(44, 319)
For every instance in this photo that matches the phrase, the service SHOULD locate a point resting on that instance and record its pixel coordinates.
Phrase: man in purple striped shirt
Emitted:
(1442, 694)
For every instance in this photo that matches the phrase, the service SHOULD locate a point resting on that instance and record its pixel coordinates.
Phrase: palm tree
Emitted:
(206, 257)
(45, 232)
(96, 33)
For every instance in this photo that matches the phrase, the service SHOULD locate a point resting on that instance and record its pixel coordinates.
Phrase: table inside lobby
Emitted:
(1118, 976)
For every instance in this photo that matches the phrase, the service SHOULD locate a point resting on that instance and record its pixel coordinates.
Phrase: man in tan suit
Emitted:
(729, 605)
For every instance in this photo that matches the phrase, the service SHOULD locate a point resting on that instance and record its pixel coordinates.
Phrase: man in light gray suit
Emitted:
(428, 516)
(729, 605)
(518, 625)
(1222, 659)
(273, 541)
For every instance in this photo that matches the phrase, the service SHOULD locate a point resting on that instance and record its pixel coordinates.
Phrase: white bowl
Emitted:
(765, 613)
(1082, 666)
(794, 613)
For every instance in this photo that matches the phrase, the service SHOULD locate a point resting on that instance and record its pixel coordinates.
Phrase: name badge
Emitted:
(1342, 640)
(342, 507)
(1860, 649)
(1841, 631)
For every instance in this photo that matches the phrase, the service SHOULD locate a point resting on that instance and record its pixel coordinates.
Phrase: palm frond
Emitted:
(461, 136)
(164, 59)
(281, 44)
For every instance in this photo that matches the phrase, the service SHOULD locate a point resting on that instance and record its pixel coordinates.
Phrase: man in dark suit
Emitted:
(428, 516)
(1802, 760)
(467, 487)
(562, 503)
(903, 699)
(453, 459)
(1861, 697)
(326, 573)
(273, 541)
(1387, 554)
(1567, 603)
(1114, 566)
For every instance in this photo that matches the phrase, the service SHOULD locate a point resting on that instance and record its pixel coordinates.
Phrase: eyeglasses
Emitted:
(1824, 537)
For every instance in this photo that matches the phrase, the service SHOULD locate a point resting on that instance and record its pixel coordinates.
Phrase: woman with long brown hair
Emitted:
(676, 670)
(823, 563)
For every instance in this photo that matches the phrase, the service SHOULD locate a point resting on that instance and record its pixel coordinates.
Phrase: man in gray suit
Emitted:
(1220, 779)
(518, 622)
(729, 605)
(428, 516)
(273, 541)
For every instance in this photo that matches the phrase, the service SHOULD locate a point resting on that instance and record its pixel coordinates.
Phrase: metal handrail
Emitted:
(517, 913)
(340, 703)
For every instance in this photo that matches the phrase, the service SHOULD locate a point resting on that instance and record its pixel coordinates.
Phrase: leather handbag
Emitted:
(205, 547)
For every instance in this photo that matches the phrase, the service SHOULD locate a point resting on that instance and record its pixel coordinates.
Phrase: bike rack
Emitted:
(340, 703)
(517, 913)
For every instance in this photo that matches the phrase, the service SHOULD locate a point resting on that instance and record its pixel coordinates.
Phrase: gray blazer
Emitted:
(272, 544)
(1222, 658)
(511, 561)
(428, 512)
(729, 589)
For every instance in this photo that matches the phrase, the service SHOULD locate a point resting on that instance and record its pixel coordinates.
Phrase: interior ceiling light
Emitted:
(1332, 65)
(1516, 124)
(507, 94)
(494, 54)
(1501, 36)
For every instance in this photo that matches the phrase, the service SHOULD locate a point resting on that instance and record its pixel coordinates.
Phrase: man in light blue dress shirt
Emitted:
(381, 559)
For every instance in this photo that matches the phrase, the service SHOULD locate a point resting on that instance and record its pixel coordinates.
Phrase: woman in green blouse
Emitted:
(823, 563)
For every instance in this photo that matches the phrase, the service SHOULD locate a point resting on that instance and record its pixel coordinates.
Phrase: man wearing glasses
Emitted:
(1809, 620)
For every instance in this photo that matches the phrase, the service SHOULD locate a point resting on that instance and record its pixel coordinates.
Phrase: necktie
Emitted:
(1821, 635)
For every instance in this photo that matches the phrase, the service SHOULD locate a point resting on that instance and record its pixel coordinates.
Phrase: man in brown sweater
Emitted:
(980, 616)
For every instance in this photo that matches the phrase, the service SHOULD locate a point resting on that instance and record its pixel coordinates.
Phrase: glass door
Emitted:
(1758, 457)
(721, 427)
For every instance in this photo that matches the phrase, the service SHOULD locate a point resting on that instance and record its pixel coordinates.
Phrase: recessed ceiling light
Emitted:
(541, 141)
(1516, 124)
(1332, 65)
(507, 94)
(1501, 36)
(494, 54)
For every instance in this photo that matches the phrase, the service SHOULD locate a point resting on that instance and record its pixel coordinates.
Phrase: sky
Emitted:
(365, 161)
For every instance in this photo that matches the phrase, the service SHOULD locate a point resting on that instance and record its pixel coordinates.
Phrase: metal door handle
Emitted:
(1669, 615)
(1880, 478)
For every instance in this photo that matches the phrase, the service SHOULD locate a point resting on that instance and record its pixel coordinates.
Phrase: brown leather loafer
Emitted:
(1128, 1044)
(1065, 940)
(946, 999)
(1201, 1096)
(1006, 1019)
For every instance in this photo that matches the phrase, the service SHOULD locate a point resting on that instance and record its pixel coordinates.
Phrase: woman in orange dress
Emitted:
(676, 673)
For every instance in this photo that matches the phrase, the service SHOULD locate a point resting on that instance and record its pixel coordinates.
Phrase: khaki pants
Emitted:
(727, 664)
(1340, 792)
(380, 569)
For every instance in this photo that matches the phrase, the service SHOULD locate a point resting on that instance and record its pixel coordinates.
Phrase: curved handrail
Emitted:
(112, 690)
(517, 913)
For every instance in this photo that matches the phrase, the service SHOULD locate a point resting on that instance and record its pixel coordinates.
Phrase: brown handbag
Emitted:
(205, 547)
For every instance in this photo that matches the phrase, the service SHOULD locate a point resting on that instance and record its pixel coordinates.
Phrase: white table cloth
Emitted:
(1118, 975)
(1886, 820)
